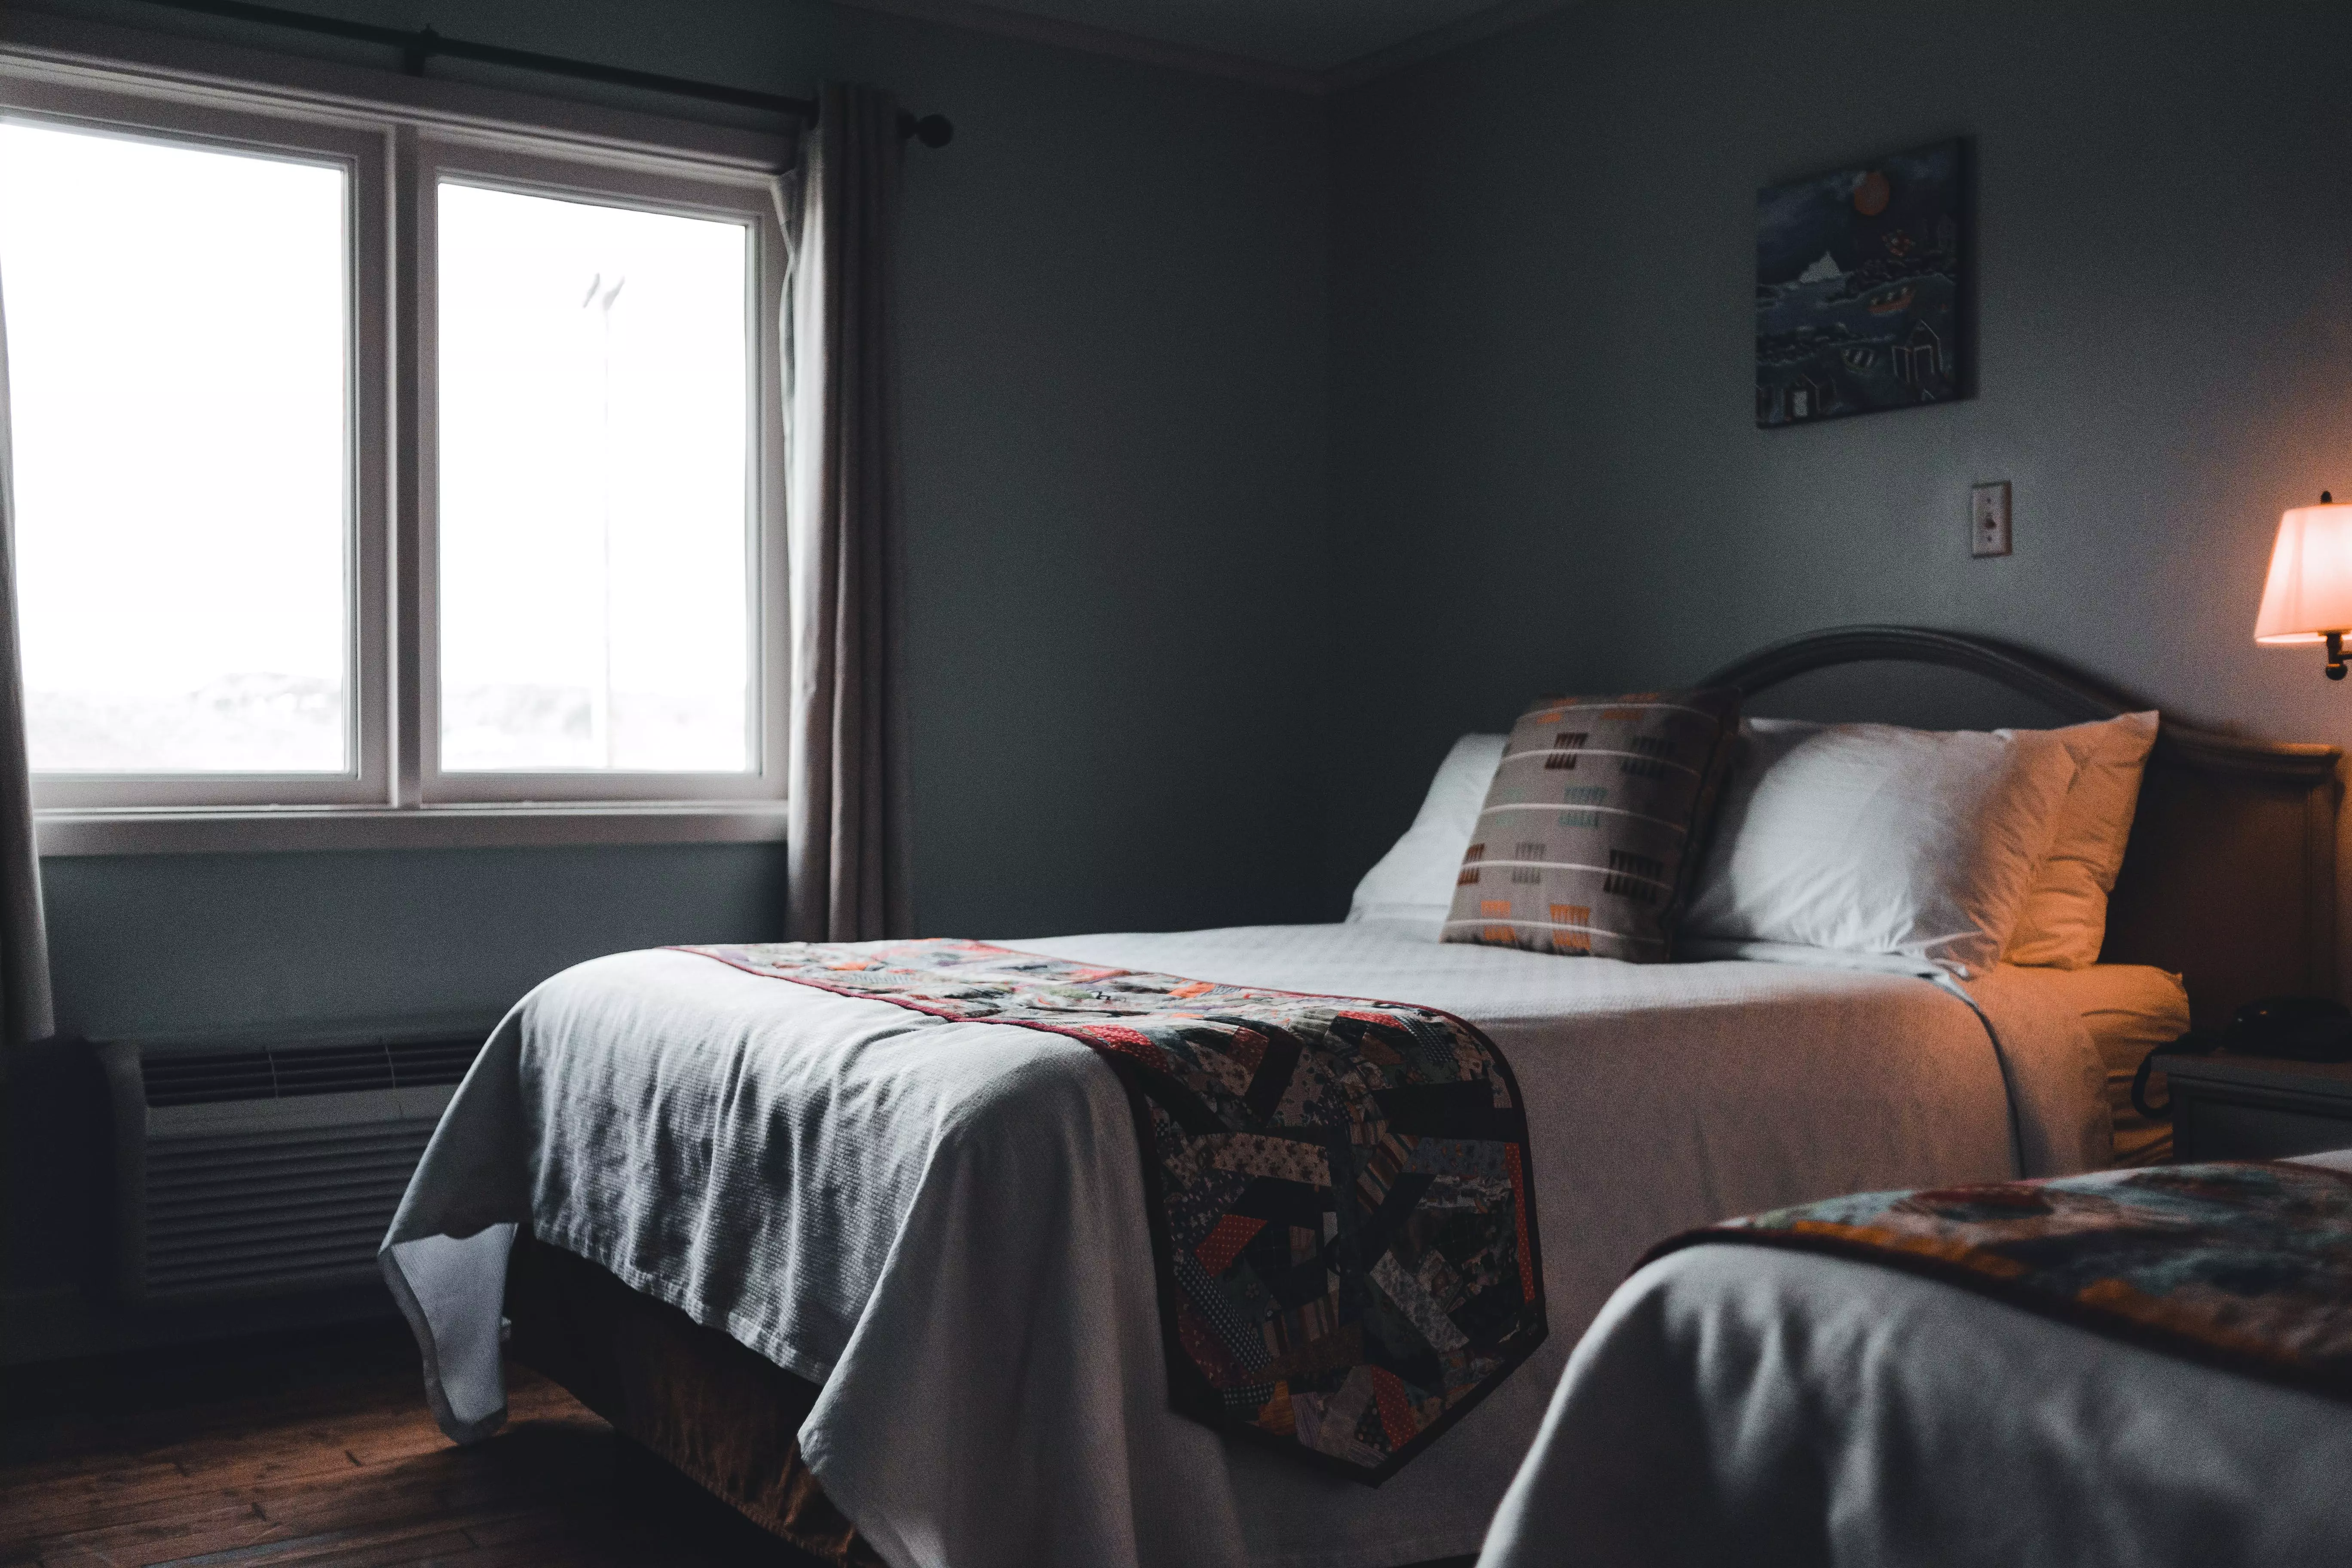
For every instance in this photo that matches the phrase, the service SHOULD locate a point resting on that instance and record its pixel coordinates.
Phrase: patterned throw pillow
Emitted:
(1592, 827)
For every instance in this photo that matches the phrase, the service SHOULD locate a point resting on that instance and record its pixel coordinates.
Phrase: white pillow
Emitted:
(1873, 839)
(2065, 922)
(1414, 880)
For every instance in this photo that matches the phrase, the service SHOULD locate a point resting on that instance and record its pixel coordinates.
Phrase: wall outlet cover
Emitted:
(1989, 518)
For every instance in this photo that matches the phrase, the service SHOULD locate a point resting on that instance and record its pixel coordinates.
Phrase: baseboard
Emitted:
(65, 1323)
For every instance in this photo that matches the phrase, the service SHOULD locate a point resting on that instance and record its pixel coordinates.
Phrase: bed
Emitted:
(839, 1263)
(1734, 1403)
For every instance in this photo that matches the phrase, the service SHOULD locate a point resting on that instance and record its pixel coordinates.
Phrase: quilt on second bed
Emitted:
(2244, 1264)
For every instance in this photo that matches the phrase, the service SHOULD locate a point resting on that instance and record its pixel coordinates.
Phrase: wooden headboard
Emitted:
(2231, 876)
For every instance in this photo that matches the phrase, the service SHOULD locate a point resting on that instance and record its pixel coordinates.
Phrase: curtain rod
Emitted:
(416, 47)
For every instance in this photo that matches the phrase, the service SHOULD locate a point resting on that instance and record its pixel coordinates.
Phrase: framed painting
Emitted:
(1858, 289)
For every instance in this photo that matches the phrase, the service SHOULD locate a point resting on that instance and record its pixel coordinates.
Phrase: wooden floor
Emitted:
(320, 1452)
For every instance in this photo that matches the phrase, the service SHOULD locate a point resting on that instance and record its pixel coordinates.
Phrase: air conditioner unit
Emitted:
(254, 1168)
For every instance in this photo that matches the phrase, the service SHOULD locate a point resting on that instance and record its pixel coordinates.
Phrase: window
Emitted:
(186, 613)
(601, 402)
(596, 404)
(330, 501)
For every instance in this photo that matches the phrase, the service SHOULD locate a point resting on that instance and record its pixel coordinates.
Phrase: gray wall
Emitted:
(1545, 468)
(1113, 339)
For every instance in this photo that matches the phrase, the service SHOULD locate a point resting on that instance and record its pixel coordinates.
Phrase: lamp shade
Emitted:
(2309, 593)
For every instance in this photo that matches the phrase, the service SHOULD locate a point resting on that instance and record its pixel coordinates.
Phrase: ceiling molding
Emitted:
(1053, 31)
(1437, 41)
(972, 15)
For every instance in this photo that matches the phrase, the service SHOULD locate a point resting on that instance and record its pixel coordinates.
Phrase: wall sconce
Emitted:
(2308, 597)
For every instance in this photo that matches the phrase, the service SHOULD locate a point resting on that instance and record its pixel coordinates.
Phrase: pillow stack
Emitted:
(1598, 836)
(1591, 826)
(1963, 847)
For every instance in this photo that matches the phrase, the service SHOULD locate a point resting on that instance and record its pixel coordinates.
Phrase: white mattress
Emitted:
(941, 1222)
(1744, 1405)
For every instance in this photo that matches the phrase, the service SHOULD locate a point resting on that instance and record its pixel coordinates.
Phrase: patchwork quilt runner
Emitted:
(1340, 1195)
(2244, 1266)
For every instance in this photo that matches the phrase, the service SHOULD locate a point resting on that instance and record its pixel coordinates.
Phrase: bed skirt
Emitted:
(725, 1417)
(722, 1416)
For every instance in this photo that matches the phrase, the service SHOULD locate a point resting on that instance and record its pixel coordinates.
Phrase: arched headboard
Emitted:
(2231, 876)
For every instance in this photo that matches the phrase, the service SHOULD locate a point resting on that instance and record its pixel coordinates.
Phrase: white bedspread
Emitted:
(942, 1222)
(1744, 1404)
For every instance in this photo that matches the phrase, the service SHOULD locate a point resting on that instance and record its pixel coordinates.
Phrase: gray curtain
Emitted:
(25, 1009)
(847, 766)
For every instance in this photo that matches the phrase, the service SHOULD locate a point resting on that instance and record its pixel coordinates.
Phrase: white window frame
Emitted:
(360, 155)
(397, 136)
(496, 163)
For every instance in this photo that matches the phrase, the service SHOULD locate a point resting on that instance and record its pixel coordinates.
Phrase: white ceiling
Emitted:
(1298, 43)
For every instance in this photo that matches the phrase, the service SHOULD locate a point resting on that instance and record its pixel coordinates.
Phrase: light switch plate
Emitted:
(1989, 518)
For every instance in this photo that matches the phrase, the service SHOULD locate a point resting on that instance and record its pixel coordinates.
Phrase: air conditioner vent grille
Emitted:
(281, 1072)
(273, 1211)
(271, 1163)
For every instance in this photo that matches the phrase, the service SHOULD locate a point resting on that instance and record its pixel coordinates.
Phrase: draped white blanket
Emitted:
(942, 1222)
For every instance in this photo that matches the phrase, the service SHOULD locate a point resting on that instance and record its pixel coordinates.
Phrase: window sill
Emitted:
(237, 830)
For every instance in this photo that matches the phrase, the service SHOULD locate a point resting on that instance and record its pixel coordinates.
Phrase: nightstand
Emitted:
(2257, 1107)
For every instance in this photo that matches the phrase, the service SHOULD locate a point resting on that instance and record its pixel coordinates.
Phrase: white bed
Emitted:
(1739, 1405)
(941, 1223)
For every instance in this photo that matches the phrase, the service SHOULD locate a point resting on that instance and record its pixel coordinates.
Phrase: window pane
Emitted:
(178, 321)
(594, 410)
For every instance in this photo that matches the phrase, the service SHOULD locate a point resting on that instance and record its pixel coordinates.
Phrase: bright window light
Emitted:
(178, 327)
(596, 516)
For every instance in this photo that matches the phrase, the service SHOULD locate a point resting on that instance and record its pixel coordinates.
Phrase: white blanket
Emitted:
(1744, 1405)
(942, 1222)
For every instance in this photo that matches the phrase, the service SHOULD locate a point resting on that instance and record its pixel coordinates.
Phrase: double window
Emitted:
(385, 466)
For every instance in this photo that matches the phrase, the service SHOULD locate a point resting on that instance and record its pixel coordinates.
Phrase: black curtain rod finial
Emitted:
(421, 49)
